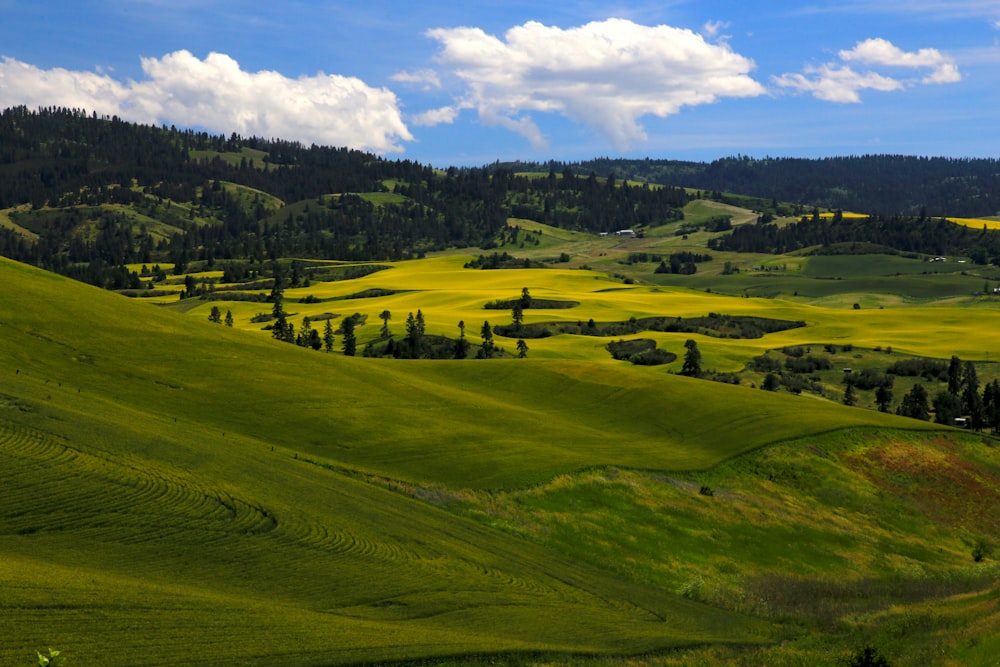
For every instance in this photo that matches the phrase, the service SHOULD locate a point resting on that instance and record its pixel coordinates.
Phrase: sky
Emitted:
(468, 83)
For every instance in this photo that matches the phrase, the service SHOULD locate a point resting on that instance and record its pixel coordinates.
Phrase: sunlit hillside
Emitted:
(170, 477)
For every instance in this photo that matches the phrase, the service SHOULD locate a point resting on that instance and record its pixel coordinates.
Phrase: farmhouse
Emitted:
(625, 232)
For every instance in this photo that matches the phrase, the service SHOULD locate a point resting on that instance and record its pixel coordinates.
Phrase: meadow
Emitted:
(181, 492)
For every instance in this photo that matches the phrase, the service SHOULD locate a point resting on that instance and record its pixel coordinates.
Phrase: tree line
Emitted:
(886, 184)
(876, 233)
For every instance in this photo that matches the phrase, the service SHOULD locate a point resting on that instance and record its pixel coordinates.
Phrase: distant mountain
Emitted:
(885, 184)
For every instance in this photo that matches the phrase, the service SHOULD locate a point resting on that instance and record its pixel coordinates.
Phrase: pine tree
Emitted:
(955, 376)
(915, 404)
(328, 336)
(215, 316)
(692, 359)
(522, 348)
(350, 342)
(461, 350)
(229, 318)
(883, 397)
(385, 316)
(517, 316)
(850, 396)
(486, 332)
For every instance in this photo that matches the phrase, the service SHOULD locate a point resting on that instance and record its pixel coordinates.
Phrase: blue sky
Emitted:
(467, 83)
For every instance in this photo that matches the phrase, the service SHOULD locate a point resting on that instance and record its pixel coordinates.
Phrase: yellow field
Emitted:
(977, 223)
(447, 293)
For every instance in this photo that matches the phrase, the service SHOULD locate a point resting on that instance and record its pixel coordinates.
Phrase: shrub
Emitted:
(764, 364)
(868, 657)
(981, 550)
(929, 369)
(868, 379)
(807, 364)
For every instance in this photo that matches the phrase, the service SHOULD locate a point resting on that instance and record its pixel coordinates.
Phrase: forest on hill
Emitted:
(882, 184)
(88, 194)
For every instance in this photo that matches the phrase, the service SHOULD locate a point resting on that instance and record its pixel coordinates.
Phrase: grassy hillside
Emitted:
(175, 490)
(149, 492)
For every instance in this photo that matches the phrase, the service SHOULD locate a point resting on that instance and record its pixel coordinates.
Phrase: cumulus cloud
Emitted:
(218, 95)
(840, 83)
(606, 74)
(837, 84)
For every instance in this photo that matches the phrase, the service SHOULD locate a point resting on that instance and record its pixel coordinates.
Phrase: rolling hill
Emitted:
(175, 491)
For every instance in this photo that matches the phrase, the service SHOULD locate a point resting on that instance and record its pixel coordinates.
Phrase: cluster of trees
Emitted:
(960, 400)
(921, 234)
(417, 344)
(502, 260)
(684, 263)
(587, 204)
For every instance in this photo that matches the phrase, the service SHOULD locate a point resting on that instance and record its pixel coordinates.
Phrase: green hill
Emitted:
(176, 491)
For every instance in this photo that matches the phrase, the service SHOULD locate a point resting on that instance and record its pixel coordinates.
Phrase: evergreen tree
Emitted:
(692, 359)
(328, 336)
(215, 315)
(914, 404)
(414, 334)
(229, 318)
(350, 343)
(517, 316)
(487, 348)
(991, 405)
(461, 349)
(970, 387)
(279, 330)
(947, 407)
(955, 376)
(770, 383)
(522, 348)
(850, 396)
(304, 339)
(883, 397)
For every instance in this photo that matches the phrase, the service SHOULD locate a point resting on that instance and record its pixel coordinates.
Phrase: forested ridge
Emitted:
(877, 233)
(882, 184)
(87, 194)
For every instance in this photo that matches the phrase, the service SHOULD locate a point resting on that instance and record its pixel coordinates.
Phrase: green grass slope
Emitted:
(175, 491)
(140, 521)
(478, 424)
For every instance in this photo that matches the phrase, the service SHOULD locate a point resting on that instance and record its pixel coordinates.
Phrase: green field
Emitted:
(179, 492)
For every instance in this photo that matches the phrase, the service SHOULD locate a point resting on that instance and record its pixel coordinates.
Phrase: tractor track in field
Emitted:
(50, 486)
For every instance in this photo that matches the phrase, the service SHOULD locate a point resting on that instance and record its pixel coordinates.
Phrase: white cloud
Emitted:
(215, 93)
(836, 84)
(428, 79)
(604, 74)
(443, 115)
(840, 83)
(713, 28)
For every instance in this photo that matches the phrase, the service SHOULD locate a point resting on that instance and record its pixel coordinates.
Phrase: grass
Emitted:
(121, 526)
(165, 477)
